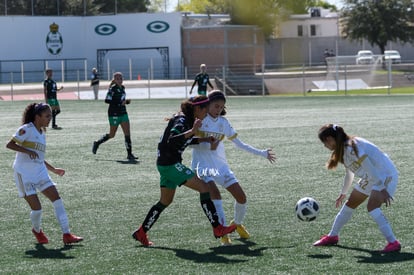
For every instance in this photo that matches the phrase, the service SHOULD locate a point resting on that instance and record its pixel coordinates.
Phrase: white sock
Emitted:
(343, 216)
(383, 224)
(36, 219)
(61, 216)
(220, 211)
(239, 212)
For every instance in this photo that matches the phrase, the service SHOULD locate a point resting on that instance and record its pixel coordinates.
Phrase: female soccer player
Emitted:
(179, 133)
(31, 170)
(378, 182)
(202, 79)
(50, 90)
(210, 163)
(117, 115)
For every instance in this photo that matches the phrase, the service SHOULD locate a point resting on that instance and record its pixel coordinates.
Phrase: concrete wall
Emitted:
(219, 46)
(25, 37)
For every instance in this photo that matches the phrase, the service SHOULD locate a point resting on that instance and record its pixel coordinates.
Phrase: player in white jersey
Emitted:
(210, 163)
(31, 170)
(378, 182)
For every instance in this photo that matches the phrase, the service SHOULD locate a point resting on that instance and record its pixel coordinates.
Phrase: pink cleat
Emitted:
(142, 237)
(221, 230)
(326, 240)
(69, 238)
(40, 236)
(392, 247)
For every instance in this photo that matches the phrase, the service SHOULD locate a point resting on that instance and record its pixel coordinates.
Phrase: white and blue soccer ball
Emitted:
(307, 209)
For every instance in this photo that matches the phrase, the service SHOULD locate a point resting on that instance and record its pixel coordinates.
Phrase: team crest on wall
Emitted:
(54, 41)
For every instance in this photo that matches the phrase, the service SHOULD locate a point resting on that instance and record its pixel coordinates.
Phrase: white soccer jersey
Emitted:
(212, 164)
(29, 137)
(369, 163)
(219, 128)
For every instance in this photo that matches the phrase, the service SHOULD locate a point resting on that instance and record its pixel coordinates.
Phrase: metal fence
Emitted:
(272, 79)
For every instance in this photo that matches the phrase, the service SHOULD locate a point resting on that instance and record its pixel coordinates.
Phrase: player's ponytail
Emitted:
(338, 133)
(32, 110)
(187, 106)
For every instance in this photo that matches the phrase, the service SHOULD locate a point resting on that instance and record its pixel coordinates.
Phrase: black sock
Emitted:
(152, 216)
(209, 209)
(53, 118)
(103, 139)
(54, 114)
(128, 145)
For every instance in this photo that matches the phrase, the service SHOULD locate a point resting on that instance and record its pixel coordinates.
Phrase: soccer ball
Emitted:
(307, 209)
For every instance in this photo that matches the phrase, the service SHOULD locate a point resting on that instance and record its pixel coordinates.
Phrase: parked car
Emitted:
(364, 57)
(392, 55)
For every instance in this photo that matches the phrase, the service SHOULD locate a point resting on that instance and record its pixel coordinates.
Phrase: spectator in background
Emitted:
(95, 82)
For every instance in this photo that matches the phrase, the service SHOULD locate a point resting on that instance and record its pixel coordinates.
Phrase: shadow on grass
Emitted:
(380, 258)
(127, 161)
(215, 256)
(374, 257)
(41, 252)
(320, 256)
(240, 249)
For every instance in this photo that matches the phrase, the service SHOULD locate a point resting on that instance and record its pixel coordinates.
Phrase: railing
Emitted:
(271, 79)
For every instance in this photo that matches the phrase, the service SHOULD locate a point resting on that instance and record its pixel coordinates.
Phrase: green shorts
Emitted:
(53, 102)
(201, 92)
(175, 175)
(116, 120)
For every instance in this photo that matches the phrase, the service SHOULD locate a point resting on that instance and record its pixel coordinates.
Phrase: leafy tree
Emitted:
(379, 22)
(266, 14)
(156, 6)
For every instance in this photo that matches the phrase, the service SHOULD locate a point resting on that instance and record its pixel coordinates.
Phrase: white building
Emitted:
(318, 23)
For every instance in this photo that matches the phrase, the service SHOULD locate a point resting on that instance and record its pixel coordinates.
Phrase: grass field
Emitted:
(107, 198)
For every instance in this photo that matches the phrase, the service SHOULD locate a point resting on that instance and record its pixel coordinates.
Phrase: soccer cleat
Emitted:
(326, 240)
(392, 247)
(142, 237)
(95, 147)
(69, 238)
(241, 230)
(221, 230)
(131, 157)
(225, 240)
(40, 236)
(55, 126)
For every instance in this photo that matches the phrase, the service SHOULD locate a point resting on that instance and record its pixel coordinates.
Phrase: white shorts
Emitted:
(28, 185)
(365, 187)
(222, 176)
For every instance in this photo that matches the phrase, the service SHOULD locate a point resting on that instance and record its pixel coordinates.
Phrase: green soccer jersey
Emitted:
(115, 96)
(51, 88)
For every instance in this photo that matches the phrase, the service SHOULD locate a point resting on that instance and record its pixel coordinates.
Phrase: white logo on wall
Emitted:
(54, 41)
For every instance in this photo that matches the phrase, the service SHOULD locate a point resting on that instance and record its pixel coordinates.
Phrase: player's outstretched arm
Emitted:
(267, 153)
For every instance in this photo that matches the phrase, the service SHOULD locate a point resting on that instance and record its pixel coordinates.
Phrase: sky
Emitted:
(337, 3)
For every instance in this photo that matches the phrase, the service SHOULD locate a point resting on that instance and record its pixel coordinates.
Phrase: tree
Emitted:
(266, 14)
(379, 22)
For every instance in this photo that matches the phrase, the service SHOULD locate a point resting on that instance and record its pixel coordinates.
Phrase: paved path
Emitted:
(82, 91)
